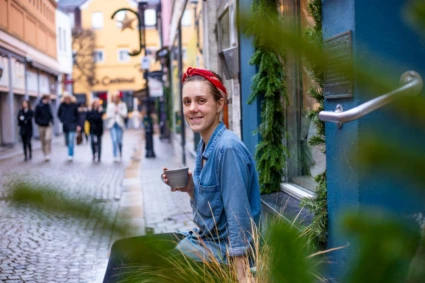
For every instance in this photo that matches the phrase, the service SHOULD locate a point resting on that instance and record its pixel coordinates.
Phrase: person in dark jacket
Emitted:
(68, 115)
(94, 117)
(25, 116)
(44, 119)
(82, 117)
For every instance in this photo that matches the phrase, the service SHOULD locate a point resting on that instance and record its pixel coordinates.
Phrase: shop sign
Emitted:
(338, 84)
(155, 87)
(109, 81)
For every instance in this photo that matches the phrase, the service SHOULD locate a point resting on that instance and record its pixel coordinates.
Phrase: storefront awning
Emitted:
(44, 68)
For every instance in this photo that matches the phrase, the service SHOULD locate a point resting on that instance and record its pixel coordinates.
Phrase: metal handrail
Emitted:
(411, 85)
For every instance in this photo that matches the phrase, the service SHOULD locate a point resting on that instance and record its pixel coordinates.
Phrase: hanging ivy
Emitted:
(316, 232)
(269, 88)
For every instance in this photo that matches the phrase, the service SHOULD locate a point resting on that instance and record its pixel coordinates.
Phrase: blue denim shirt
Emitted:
(226, 200)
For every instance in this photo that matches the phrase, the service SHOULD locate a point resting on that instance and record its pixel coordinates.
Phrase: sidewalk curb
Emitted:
(131, 202)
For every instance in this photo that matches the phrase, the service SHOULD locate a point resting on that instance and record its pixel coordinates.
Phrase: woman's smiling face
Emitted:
(200, 109)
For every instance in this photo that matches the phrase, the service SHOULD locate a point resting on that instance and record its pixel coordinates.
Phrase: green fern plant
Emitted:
(269, 87)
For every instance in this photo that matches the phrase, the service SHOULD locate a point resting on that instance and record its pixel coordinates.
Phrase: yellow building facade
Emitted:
(114, 70)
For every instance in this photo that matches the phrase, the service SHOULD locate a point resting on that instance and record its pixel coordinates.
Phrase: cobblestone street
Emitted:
(47, 247)
(36, 246)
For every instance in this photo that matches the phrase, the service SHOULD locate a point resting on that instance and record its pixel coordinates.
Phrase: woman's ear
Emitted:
(220, 103)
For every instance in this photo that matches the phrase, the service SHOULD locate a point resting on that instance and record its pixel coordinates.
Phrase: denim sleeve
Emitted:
(234, 181)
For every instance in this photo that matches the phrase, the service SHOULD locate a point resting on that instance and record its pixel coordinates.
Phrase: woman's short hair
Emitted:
(68, 95)
(215, 92)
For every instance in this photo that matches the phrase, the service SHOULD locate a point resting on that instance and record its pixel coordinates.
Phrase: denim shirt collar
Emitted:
(213, 140)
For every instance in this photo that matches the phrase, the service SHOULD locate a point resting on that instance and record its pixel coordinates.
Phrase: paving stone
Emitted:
(54, 247)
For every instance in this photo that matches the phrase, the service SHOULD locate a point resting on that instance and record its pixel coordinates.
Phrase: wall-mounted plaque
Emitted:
(338, 83)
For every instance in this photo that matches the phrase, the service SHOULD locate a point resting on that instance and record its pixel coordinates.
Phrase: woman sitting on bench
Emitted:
(223, 189)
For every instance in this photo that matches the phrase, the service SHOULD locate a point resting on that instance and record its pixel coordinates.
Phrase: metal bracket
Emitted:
(339, 109)
(411, 84)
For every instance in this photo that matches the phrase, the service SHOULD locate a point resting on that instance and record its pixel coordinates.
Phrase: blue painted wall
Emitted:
(379, 31)
(250, 113)
(342, 179)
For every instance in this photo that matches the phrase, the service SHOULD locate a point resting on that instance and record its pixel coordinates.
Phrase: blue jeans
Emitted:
(116, 135)
(69, 138)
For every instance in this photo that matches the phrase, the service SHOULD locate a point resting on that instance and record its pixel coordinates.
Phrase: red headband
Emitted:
(210, 76)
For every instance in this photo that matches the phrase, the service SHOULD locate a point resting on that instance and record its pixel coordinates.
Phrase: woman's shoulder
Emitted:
(229, 140)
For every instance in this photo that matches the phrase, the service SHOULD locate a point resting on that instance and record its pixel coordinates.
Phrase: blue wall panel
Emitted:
(381, 38)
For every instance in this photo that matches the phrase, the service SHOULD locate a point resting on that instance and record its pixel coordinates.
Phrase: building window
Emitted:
(123, 55)
(72, 18)
(97, 20)
(150, 17)
(98, 56)
(186, 18)
(74, 57)
(60, 38)
(64, 40)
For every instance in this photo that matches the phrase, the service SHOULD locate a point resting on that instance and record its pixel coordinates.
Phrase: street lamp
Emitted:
(145, 65)
(142, 47)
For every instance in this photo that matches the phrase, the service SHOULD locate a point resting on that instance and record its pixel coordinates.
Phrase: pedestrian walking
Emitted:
(44, 119)
(94, 118)
(82, 111)
(25, 116)
(116, 114)
(68, 115)
(223, 190)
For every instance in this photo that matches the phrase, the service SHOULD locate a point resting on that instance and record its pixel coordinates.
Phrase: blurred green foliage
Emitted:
(387, 248)
(55, 200)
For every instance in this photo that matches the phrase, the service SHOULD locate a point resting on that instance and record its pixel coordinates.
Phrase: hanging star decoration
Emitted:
(126, 22)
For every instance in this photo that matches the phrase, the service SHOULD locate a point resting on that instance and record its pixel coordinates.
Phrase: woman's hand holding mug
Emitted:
(187, 189)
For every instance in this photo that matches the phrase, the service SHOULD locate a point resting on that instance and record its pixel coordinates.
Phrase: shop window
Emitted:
(123, 55)
(97, 20)
(98, 56)
(305, 162)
